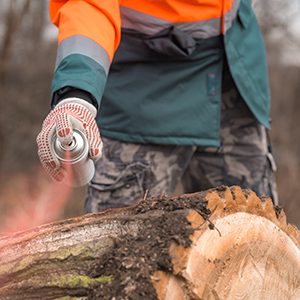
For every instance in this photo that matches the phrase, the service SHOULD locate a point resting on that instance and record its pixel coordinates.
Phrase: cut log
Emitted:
(224, 243)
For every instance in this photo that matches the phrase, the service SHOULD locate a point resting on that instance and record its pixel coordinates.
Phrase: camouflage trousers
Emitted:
(126, 171)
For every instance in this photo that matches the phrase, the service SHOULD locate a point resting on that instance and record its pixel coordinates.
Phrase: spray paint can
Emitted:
(74, 158)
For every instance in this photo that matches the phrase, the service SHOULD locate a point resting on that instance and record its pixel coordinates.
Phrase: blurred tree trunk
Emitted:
(13, 20)
(38, 22)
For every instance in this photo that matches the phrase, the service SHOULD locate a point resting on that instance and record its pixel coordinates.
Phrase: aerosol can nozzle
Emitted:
(74, 158)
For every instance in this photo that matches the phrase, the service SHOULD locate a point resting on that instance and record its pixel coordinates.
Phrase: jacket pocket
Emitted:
(171, 42)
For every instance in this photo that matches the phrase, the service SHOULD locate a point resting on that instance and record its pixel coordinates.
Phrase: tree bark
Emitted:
(224, 243)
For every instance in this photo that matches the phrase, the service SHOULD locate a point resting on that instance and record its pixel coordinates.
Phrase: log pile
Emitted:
(224, 243)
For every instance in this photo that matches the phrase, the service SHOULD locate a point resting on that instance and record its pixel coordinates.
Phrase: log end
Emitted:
(249, 252)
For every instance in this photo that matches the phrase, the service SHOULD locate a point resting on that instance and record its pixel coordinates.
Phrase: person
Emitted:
(179, 90)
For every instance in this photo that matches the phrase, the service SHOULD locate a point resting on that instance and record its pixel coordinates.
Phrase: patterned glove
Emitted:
(69, 114)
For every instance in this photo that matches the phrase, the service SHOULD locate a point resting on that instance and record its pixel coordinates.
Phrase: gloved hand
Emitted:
(69, 114)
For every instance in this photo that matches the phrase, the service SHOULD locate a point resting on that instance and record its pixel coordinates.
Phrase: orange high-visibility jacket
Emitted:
(99, 22)
(90, 33)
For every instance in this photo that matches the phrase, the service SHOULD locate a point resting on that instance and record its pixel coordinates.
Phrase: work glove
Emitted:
(69, 114)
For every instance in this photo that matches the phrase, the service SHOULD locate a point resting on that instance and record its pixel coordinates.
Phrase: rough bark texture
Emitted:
(219, 244)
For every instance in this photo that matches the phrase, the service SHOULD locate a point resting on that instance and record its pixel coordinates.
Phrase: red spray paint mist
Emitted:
(38, 200)
(32, 200)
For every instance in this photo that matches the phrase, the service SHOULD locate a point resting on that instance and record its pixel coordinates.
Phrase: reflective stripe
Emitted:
(142, 22)
(201, 29)
(231, 15)
(79, 44)
(139, 21)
